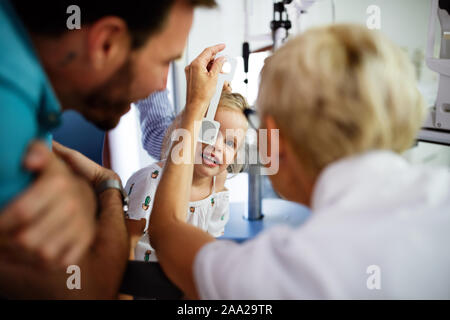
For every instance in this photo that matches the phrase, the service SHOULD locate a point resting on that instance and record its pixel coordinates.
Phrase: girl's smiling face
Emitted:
(213, 160)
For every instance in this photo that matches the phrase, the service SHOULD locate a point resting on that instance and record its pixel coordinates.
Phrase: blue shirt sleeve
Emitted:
(18, 127)
(28, 106)
(156, 115)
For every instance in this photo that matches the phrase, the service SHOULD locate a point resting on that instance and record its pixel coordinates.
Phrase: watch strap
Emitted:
(114, 184)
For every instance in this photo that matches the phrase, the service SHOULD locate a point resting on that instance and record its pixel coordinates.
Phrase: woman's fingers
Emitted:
(217, 66)
(209, 54)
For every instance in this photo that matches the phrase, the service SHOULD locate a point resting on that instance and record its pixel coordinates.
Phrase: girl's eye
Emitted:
(230, 143)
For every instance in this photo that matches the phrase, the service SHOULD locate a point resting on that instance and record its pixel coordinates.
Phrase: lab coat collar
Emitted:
(339, 179)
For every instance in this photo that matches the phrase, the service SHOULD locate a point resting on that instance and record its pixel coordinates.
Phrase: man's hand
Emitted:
(103, 264)
(201, 78)
(53, 222)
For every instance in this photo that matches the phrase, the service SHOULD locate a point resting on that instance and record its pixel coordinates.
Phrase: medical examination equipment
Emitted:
(209, 127)
(280, 26)
(437, 125)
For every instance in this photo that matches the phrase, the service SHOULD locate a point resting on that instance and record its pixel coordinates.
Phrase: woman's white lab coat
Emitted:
(379, 229)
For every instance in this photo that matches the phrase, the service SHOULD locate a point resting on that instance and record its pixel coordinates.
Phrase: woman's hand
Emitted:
(201, 78)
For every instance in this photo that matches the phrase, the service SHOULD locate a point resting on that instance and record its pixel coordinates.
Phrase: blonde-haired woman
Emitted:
(345, 101)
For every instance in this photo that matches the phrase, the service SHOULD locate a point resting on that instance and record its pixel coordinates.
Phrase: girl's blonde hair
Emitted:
(341, 90)
(229, 100)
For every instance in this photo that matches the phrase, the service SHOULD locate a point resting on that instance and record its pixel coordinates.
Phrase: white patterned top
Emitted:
(210, 214)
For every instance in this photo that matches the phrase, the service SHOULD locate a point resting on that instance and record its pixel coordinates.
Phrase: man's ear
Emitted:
(108, 43)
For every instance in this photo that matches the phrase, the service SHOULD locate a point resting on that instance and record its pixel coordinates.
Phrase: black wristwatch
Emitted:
(114, 184)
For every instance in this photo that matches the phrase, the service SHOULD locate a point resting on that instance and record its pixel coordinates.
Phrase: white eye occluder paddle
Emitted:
(210, 128)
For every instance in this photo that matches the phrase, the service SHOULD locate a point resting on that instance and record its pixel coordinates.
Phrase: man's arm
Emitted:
(156, 115)
(51, 223)
(101, 267)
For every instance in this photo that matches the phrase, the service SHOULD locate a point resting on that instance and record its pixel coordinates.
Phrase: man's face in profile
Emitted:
(144, 71)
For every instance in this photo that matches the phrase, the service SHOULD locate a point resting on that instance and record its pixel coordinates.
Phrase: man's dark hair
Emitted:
(143, 17)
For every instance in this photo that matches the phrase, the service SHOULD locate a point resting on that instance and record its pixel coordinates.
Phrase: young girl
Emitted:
(209, 201)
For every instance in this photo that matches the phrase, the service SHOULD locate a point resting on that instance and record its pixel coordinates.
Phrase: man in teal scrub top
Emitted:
(48, 206)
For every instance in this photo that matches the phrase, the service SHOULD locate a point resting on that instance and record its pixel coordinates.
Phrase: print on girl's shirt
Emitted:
(147, 255)
(155, 174)
(192, 209)
(145, 205)
(212, 202)
(131, 189)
